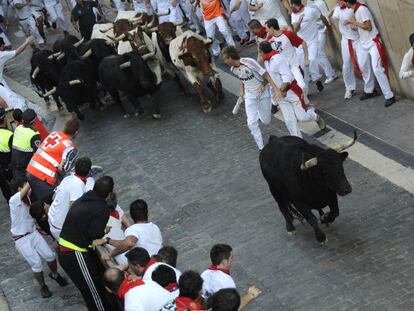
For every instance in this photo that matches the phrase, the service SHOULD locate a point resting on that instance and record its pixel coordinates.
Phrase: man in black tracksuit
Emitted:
(86, 222)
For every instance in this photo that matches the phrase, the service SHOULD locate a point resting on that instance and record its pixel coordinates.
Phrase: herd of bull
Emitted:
(130, 56)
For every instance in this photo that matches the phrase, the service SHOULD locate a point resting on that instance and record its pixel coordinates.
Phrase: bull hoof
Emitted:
(321, 237)
(126, 116)
(292, 233)
(156, 116)
(324, 242)
(208, 108)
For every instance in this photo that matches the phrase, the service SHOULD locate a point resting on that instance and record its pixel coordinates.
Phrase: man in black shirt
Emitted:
(84, 16)
(84, 223)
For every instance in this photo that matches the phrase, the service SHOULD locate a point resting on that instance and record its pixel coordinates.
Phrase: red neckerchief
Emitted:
(150, 263)
(215, 268)
(342, 6)
(298, 10)
(269, 37)
(262, 33)
(126, 285)
(269, 55)
(412, 59)
(185, 303)
(357, 6)
(171, 287)
(83, 178)
(115, 214)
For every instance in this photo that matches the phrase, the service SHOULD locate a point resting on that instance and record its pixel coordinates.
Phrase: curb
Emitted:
(4, 306)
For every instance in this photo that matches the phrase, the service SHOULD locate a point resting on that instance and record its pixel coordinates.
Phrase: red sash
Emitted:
(215, 268)
(126, 285)
(269, 55)
(184, 303)
(262, 33)
(295, 88)
(357, 6)
(354, 59)
(381, 51)
(152, 261)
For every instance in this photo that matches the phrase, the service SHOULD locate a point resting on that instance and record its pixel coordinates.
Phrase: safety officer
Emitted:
(25, 142)
(6, 140)
(55, 156)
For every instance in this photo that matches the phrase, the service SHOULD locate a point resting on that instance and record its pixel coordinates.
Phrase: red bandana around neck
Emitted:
(126, 285)
(357, 6)
(185, 303)
(262, 33)
(299, 9)
(115, 214)
(84, 178)
(150, 263)
(215, 268)
(269, 55)
(171, 287)
(342, 6)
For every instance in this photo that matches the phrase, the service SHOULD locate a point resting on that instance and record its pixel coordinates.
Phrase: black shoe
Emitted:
(319, 86)
(368, 95)
(274, 110)
(54, 25)
(45, 292)
(390, 101)
(59, 279)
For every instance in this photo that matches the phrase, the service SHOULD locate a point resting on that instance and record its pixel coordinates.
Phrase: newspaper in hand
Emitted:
(236, 108)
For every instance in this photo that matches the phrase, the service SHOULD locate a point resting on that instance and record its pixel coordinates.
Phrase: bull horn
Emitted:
(342, 147)
(87, 54)
(61, 55)
(106, 30)
(148, 55)
(79, 42)
(180, 24)
(117, 39)
(54, 55)
(142, 48)
(155, 28)
(125, 65)
(74, 82)
(208, 41)
(151, 23)
(308, 164)
(35, 72)
(164, 13)
(52, 91)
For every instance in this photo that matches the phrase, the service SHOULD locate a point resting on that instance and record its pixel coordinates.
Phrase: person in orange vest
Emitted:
(54, 157)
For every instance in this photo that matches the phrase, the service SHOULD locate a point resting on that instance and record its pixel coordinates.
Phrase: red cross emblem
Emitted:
(52, 141)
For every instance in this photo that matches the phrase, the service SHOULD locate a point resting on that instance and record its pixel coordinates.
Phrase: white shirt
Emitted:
(362, 15)
(349, 32)
(407, 65)
(141, 6)
(148, 235)
(286, 45)
(70, 189)
(4, 57)
(21, 221)
(12, 99)
(323, 9)
(250, 73)
(148, 274)
(49, 3)
(214, 280)
(22, 13)
(148, 297)
(309, 27)
(270, 9)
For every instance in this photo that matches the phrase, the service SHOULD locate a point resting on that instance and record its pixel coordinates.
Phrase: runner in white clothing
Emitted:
(55, 10)
(253, 89)
(263, 10)
(374, 53)
(239, 19)
(292, 105)
(29, 242)
(407, 65)
(350, 46)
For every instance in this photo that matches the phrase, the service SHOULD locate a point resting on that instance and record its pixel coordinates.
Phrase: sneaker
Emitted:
(321, 123)
(274, 110)
(95, 170)
(331, 79)
(348, 94)
(319, 86)
(45, 292)
(59, 279)
(390, 101)
(368, 95)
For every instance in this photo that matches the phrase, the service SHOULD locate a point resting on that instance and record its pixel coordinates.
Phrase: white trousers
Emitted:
(258, 109)
(56, 13)
(293, 112)
(29, 27)
(120, 6)
(370, 56)
(323, 58)
(221, 24)
(348, 70)
(54, 231)
(313, 69)
(34, 250)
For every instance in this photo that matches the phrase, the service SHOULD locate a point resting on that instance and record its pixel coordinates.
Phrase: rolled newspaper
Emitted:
(236, 108)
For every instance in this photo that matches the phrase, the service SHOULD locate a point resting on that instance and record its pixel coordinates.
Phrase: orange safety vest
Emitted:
(211, 9)
(45, 163)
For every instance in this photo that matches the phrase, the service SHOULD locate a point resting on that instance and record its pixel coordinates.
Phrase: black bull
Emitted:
(307, 177)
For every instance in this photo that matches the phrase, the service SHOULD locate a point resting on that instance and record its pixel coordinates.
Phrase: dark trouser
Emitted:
(41, 190)
(85, 272)
(86, 31)
(4, 184)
